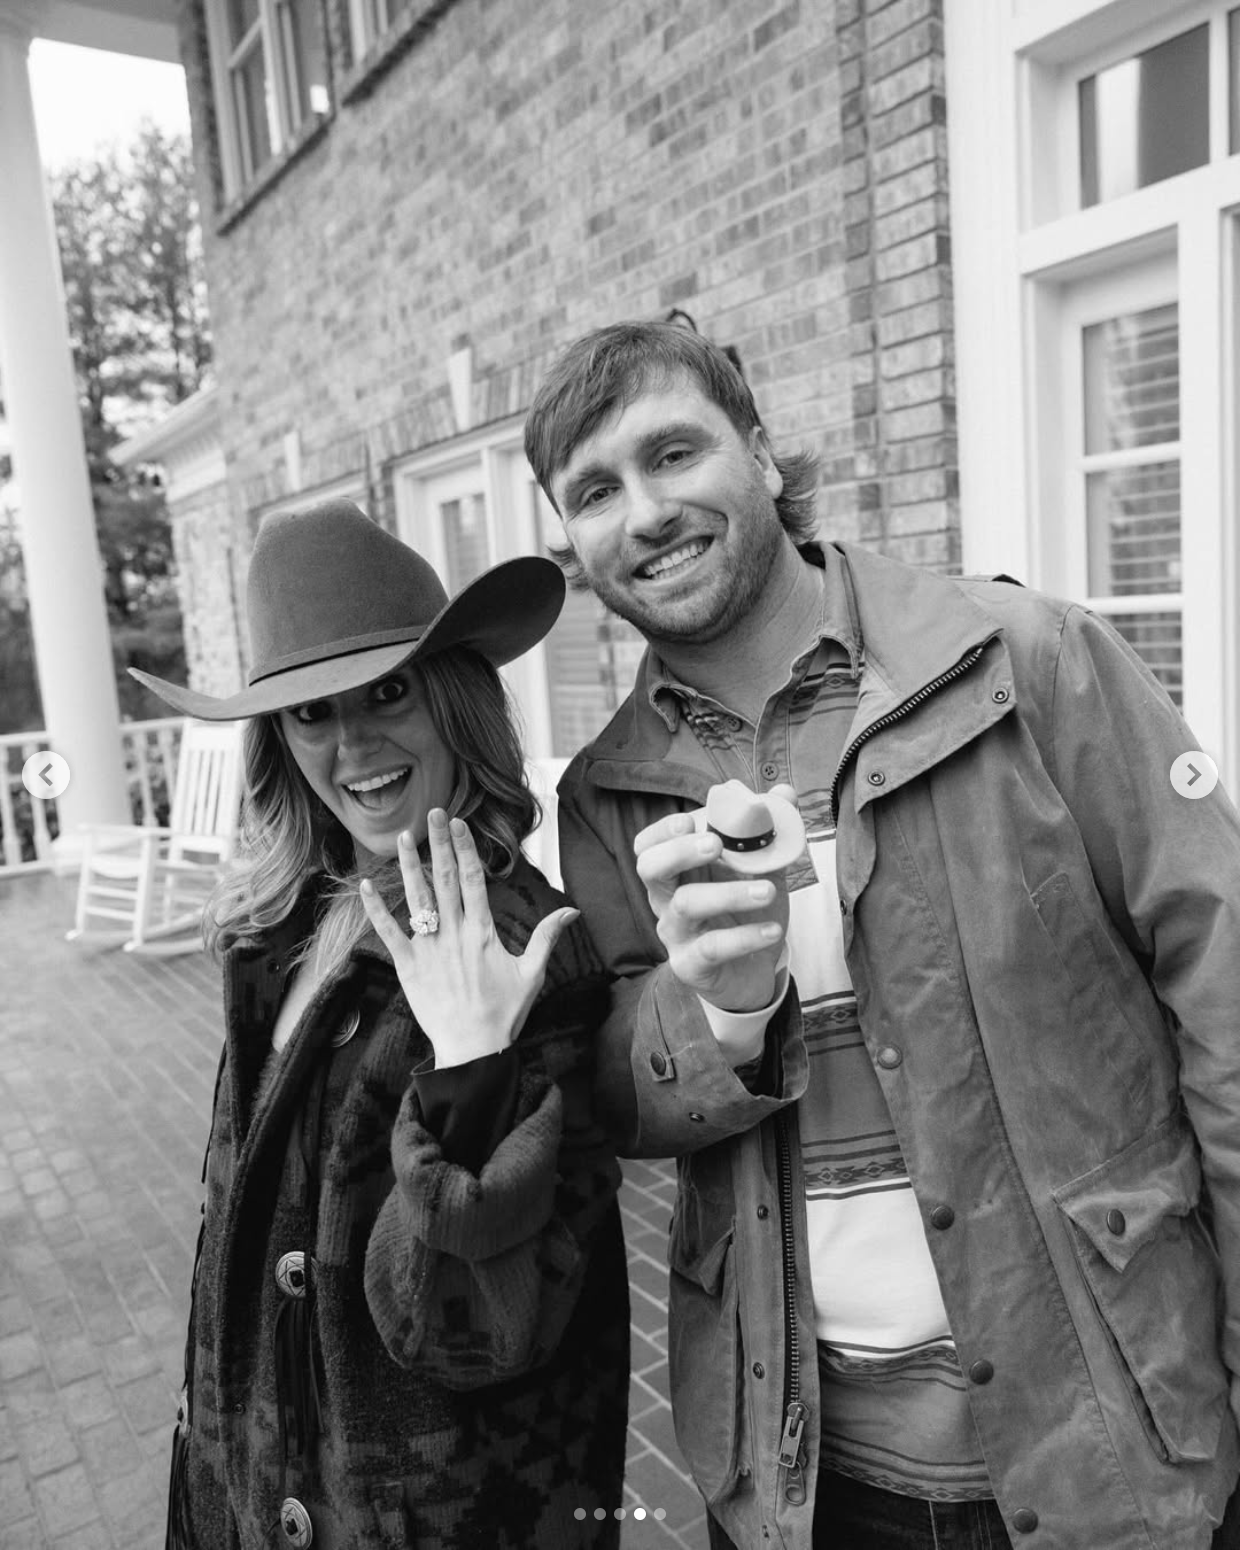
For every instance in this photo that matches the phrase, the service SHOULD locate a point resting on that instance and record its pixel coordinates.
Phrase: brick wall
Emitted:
(528, 169)
(891, 469)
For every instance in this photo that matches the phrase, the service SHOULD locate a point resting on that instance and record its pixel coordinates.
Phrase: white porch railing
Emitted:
(27, 826)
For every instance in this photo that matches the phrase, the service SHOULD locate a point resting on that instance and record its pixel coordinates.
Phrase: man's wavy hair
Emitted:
(605, 371)
(290, 835)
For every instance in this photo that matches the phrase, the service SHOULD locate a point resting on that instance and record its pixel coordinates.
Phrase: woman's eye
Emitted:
(389, 690)
(307, 715)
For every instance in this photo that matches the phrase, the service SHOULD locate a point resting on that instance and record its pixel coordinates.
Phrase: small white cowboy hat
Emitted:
(759, 833)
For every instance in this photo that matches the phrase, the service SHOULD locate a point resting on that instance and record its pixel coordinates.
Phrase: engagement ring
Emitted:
(425, 923)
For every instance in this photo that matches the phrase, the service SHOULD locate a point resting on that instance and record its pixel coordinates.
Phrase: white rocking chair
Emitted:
(156, 880)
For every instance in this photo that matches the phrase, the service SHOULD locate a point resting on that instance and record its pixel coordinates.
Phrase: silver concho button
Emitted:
(347, 1029)
(291, 1277)
(295, 1524)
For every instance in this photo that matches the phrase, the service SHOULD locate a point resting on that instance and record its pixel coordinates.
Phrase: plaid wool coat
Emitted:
(468, 1338)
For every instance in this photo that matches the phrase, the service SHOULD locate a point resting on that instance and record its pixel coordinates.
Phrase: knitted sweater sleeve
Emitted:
(473, 1276)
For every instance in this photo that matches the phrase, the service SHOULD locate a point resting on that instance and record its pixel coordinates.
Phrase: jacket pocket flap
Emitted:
(1120, 1204)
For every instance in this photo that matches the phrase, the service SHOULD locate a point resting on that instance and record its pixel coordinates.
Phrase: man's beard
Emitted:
(701, 619)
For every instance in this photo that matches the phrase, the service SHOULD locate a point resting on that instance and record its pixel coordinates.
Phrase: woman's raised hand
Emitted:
(469, 994)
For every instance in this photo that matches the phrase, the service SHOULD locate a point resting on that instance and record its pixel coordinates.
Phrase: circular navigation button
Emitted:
(1194, 775)
(45, 775)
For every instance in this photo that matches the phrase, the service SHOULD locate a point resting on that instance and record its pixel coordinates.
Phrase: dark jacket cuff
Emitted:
(470, 1108)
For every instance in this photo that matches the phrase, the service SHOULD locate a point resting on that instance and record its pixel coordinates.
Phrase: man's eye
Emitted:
(673, 455)
(594, 497)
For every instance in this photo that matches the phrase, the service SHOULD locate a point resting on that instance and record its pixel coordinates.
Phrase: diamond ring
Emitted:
(425, 922)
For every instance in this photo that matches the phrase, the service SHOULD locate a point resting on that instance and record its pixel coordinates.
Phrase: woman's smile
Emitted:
(379, 792)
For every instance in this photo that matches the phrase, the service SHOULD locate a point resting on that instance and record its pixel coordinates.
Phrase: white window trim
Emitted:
(1064, 103)
(1004, 58)
(1063, 30)
(282, 85)
(1064, 518)
(1049, 80)
(498, 451)
(362, 36)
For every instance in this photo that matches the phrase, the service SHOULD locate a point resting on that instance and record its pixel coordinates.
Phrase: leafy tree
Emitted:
(20, 707)
(131, 255)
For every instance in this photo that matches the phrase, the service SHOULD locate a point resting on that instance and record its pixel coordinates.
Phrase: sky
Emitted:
(85, 99)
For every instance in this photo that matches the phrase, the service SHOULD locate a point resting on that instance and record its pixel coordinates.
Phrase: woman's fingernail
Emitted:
(761, 892)
(406, 838)
(706, 845)
(367, 887)
(771, 931)
(438, 818)
(459, 826)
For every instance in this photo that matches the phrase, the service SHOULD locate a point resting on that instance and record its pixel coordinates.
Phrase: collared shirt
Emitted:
(895, 1407)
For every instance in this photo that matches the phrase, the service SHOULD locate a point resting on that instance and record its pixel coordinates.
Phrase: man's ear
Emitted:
(771, 475)
(565, 556)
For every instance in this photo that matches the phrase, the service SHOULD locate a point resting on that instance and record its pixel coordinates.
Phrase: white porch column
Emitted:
(64, 577)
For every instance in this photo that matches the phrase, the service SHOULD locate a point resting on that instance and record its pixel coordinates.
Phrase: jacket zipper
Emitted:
(967, 661)
(792, 1456)
(792, 1443)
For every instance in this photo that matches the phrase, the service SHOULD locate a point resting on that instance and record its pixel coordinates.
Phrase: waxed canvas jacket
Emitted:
(1044, 939)
(470, 1327)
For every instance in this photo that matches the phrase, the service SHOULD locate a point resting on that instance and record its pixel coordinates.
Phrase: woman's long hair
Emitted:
(289, 835)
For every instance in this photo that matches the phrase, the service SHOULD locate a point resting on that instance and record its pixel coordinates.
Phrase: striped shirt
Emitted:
(895, 1411)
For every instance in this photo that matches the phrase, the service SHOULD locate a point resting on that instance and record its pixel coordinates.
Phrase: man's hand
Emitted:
(724, 935)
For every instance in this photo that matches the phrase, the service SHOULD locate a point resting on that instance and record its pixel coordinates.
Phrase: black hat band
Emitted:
(739, 842)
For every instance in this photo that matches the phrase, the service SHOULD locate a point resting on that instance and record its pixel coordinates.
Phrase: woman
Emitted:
(409, 1324)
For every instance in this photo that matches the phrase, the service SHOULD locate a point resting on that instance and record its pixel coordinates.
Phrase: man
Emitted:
(956, 1249)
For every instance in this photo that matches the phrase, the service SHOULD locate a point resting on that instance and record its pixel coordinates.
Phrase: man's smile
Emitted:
(673, 561)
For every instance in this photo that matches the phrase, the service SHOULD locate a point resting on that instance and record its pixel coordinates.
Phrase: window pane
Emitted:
(304, 58)
(1132, 380)
(252, 96)
(1146, 118)
(1156, 638)
(592, 655)
(1134, 530)
(465, 539)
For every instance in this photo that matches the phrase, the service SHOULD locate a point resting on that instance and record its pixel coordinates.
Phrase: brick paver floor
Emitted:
(107, 1064)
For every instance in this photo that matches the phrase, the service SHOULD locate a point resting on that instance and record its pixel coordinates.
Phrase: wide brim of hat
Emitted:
(788, 844)
(501, 615)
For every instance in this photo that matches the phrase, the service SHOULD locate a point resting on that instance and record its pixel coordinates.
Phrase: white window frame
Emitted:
(1057, 119)
(1069, 308)
(495, 456)
(281, 99)
(1021, 244)
(369, 20)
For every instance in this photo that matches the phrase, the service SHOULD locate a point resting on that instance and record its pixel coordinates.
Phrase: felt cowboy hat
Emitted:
(759, 833)
(334, 602)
